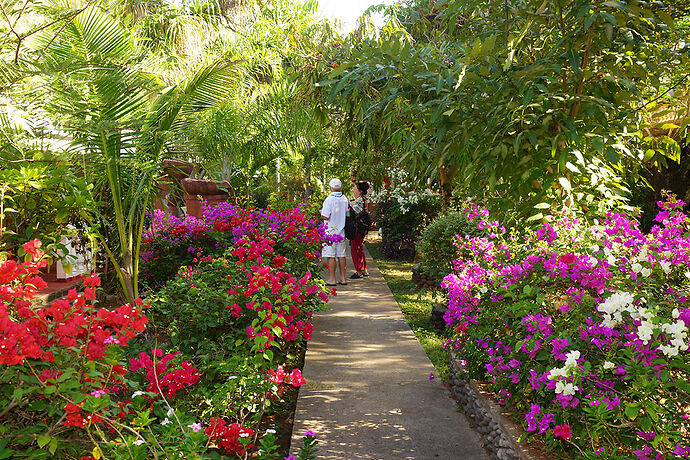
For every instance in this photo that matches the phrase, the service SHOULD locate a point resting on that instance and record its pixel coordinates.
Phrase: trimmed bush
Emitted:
(437, 247)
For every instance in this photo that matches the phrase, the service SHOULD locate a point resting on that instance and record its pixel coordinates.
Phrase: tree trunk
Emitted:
(447, 174)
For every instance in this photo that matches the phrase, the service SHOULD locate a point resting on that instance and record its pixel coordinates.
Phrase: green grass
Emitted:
(415, 305)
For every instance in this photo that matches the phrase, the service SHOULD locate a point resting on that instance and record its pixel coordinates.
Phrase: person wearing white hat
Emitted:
(333, 212)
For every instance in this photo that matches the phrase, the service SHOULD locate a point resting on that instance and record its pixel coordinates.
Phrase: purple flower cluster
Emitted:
(585, 325)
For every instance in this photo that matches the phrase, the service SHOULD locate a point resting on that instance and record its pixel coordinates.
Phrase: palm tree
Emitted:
(97, 84)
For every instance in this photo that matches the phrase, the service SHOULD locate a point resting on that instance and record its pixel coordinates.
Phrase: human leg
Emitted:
(331, 271)
(357, 251)
(342, 264)
(329, 253)
(343, 269)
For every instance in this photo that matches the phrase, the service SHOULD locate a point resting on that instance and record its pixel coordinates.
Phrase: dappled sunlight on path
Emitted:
(368, 393)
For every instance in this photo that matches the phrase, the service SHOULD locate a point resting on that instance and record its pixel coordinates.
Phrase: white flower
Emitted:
(646, 272)
(138, 442)
(675, 313)
(571, 358)
(642, 256)
(556, 373)
(637, 268)
(170, 412)
(567, 389)
(665, 266)
(687, 274)
(165, 421)
(137, 393)
(270, 431)
(668, 350)
(609, 365)
(483, 289)
(244, 435)
(611, 260)
(645, 331)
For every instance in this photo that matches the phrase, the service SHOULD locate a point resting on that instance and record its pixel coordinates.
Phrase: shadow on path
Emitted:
(368, 394)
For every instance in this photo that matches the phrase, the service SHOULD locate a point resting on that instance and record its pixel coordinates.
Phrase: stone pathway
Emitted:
(368, 394)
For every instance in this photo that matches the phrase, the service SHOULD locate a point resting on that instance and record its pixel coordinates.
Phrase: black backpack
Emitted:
(350, 224)
(363, 221)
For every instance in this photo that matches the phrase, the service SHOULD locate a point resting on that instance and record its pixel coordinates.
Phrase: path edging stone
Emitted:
(499, 435)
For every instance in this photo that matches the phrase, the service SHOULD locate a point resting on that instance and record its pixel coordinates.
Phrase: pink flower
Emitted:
(195, 426)
(562, 431)
(296, 378)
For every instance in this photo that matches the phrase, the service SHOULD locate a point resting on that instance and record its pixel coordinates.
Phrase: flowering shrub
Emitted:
(582, 330)
(239, 311)
(65, 392)
(170, 243)
(244, 298)
(402, 214)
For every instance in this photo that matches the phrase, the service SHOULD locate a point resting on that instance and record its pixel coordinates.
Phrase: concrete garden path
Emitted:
(368, 394)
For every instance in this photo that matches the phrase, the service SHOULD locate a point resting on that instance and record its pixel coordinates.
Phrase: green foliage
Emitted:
(531, 101)
(402, 216)
(437, 248)
(194, 305)
(37, 201)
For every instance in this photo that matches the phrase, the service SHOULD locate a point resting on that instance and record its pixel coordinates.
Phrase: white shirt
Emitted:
(335, 208)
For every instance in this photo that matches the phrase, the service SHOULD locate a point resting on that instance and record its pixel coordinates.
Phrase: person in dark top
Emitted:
(359, 260)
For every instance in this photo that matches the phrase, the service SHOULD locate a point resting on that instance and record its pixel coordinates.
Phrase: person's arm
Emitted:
(326, 210)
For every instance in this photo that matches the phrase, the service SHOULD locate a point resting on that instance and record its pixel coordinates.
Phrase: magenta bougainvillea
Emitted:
(582, 328)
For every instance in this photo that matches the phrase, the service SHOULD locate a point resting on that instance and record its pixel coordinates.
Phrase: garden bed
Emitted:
(208, 366)
(581, 331)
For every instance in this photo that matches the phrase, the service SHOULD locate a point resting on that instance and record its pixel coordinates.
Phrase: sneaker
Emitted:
(365, 275)
(356, 276)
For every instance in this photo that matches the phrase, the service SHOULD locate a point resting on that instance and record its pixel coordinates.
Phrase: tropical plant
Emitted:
(38, 200)
(535, 102)
(97, 87)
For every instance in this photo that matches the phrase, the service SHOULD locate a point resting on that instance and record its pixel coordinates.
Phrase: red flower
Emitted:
(92, 281)
(8, 271)
(31, 247)
(236, 310)
(568, 258)
(279, 261)
(296, 378)
(562, 431)
(307, 331)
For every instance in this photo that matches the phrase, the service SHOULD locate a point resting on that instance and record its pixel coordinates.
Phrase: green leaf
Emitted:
(53, 446)
(631, 411)
(589, 21)
(608, 30)
(598, 143)
(565, 183)
(666, 18)
(61, 216)
(612, 156)
(43, 440)
(610, 18)
(542, 206)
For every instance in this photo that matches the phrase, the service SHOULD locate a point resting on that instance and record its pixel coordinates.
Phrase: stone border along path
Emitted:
(368, 393)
